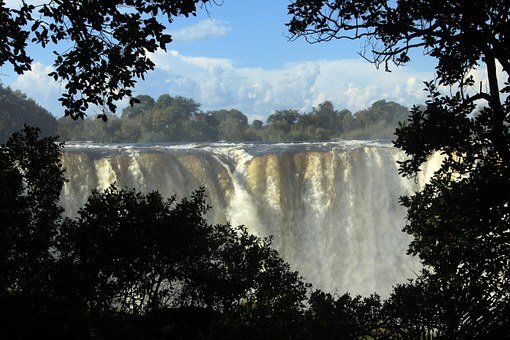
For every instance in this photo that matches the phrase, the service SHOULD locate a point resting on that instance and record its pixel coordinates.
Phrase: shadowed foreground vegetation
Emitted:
(130, 265)
(138, 266)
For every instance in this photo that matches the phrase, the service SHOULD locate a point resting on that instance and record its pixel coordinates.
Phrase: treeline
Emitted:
(178, 119)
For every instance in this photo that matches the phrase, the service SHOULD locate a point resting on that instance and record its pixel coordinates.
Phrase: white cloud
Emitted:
(218, 83)
(37, 85)
(205, 29)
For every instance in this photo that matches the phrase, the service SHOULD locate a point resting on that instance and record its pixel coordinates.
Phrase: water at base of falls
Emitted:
(332, 207)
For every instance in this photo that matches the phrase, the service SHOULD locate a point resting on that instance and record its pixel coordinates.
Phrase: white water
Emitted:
(332, 207)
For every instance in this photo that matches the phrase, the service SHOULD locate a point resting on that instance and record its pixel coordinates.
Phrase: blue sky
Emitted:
(237, 55)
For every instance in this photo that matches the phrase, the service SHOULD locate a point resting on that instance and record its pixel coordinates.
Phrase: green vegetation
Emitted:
(178, 119)
(129, 262)
(16, 110)
(101, 48)
(89, 278)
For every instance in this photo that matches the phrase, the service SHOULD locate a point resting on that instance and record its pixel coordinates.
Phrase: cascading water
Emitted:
(332, 207)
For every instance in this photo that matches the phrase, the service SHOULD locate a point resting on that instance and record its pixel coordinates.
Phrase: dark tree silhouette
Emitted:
(344, 317)
(460, 220)
(138, 254)
(106, 44)
(31, 180)
(131, 264)
(31, 177)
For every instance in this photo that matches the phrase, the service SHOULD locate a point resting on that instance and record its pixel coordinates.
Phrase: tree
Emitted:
(31, 177)
(344, 317)
(231, 124)
(306, 129)
(137, 254)
(326, 117)
(460, 220)
(257, 124)
(380, 120)
(283, 119)
(90, 129)
(16, 110)
(106, 44)
(167, 120)
(382, 112)
(145, 103)
(132, 116)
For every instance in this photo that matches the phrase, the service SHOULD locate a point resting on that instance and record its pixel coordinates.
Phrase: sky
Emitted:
(238, 55)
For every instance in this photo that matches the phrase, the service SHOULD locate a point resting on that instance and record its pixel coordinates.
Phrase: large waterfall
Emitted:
(332, 207)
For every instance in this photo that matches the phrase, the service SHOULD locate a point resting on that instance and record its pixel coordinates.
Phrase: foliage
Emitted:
(31, 177)
(130, 263)
(106, 44)
(230, 124)
(178, 119)
(16, 110)
(135, 265)
(344, 317)
(391, 30)
(460, 220)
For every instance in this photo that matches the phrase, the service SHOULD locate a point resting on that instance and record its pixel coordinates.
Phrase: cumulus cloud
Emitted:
(219, 83)
(37, 85)
(205, 29)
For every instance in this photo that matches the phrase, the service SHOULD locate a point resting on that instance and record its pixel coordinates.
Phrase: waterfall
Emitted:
(331, 207)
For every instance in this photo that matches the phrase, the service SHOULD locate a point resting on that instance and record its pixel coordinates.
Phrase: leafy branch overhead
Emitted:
(456, 34)
(461, 37)
(107, 44)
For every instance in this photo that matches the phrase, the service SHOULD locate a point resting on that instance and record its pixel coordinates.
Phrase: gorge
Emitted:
(332, 207)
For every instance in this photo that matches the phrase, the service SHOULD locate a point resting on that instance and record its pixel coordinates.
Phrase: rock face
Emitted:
(332, 207)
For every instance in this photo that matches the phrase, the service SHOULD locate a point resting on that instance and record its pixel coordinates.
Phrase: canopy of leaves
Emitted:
(134, 265)
(107, 44)
(456, 33)
(178, 119)
(31, 177)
